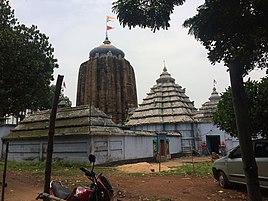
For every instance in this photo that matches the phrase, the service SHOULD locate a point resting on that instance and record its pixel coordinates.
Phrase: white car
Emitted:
(229, 169)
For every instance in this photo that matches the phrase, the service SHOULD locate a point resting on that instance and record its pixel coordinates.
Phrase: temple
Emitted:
(166, 109)
(107, 81)
(108, 122)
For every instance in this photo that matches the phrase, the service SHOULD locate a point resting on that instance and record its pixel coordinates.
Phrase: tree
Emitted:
(26, 65)
(145, 13)
(256, 92)
(234, 32)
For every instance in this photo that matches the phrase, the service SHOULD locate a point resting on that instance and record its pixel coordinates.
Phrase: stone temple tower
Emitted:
(107, 81)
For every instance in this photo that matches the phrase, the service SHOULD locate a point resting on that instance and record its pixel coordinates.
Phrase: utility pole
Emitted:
(4, 185)
(51, 131)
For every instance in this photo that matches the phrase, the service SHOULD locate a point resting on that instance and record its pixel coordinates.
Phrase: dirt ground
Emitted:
(139, 187)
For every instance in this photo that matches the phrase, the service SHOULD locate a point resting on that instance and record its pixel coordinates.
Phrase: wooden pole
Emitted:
(159, 165)
(51, 134)
(4, 173)
(191, 148)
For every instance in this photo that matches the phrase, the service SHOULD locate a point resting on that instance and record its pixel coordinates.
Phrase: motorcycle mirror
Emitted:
(91, 158)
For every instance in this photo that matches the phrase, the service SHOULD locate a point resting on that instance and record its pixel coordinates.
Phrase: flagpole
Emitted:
(108, 19)
(214, 83)
(106, 27)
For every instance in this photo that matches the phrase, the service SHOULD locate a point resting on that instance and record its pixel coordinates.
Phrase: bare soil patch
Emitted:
(148, 168)
(143, 167)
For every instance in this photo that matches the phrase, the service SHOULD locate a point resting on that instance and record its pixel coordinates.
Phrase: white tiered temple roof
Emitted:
(205, 113)
(165, 103)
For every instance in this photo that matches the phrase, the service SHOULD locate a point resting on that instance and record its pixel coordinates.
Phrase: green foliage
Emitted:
(25, 166)
(26, 65)
(236, 32)
(224, 116)
(227, 28)
(256, 92)
(59, 168)
(200, 169)
(145, 13)
(233, 29)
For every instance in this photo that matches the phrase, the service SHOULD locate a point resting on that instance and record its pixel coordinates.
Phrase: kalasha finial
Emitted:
(165, 69)
(106, 41)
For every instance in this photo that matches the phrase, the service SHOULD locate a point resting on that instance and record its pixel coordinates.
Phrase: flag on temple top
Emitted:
(64, 84)
(108, 27)
(109, 18)
(214, 82)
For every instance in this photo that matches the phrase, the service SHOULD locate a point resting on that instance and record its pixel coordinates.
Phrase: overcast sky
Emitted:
(77, 26)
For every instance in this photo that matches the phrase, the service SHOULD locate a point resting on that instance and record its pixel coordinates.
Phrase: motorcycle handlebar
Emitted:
(87, 172)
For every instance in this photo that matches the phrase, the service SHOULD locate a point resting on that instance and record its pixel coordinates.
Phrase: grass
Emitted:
(59, 168)
(196, 169)
(66, 168)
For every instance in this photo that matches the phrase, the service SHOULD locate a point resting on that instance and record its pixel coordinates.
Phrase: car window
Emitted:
(261, 149)
(236, 153)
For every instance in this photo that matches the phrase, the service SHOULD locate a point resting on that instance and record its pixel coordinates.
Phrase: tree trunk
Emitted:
(244, 135)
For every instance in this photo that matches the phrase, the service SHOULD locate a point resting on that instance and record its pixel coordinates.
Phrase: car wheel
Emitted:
(223, 180)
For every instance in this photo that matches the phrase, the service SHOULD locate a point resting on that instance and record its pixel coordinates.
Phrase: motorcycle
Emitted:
(100, 188)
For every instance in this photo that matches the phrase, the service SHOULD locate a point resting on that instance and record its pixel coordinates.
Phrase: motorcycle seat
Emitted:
(59, 190)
